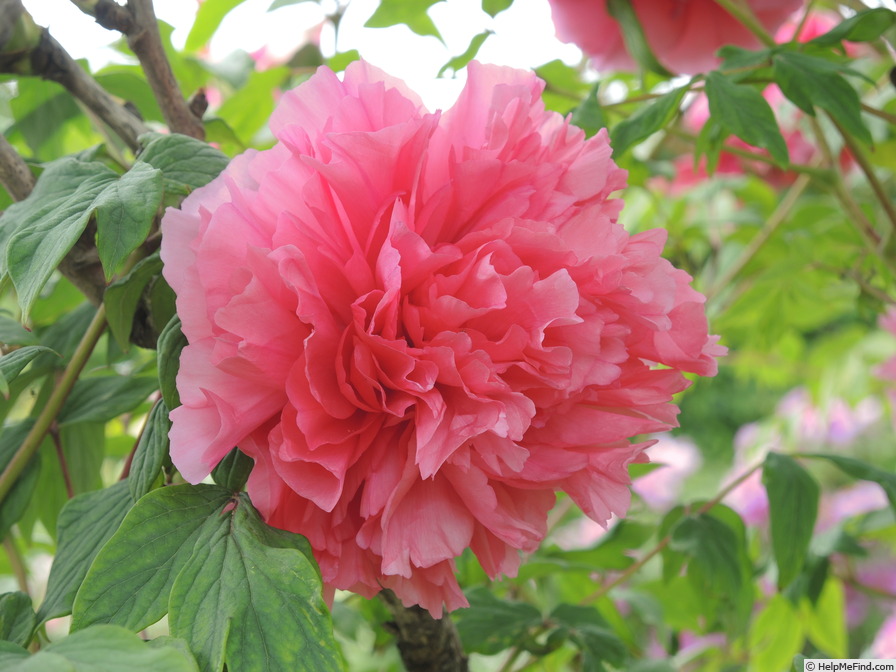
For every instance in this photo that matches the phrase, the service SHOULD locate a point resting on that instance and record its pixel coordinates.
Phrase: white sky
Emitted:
(524, 36)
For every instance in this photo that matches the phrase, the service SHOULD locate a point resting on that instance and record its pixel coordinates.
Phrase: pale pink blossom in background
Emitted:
(683, 34)
(678, 458)
(887, 370)
(421, 325)
(854, 500)
(884, 645)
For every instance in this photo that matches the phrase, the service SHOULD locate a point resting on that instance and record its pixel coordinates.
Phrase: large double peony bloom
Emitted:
(683, 34)
(421, 325)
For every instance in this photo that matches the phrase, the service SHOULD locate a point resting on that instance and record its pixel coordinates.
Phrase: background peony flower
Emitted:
(683, 34)
(678, 458)
(422, 325)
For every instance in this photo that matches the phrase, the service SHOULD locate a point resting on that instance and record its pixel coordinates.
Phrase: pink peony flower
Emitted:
(421, 325)
(683, 34)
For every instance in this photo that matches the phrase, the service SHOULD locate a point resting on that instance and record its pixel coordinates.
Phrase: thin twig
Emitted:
(63, 463)
(16, 562)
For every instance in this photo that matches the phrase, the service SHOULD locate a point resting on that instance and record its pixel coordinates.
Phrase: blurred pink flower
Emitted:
(887, 370)
(420, 326)
(678, 458)
(859, 498)
(683, 34)
(884, 645)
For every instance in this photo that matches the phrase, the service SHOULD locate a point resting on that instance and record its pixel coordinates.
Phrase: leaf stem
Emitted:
(662, 543)
(60, 455)
(18, 564)
(48, 415)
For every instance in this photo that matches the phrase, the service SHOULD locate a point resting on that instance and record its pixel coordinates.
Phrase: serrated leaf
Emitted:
(233, 471)
(592, 634)
(862, 27)
(151, 451)
(250, 596)
(124, 214)
(123, 296)
(17, 619)
(171, 342)
(809, 81)
(743, 111)
(101, 399)
(793, 507)
(864, 471)
(208, 18)
(49, 222)
(492, 625)
(646, 121)
(85, 524)
(411, 13)
(14, 505)
(127, 584)
(469, 54)
(12, 363)
(186, 163)
(636, 42)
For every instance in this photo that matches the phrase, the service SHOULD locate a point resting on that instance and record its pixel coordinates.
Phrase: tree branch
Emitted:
(426, 644)
(15, 175)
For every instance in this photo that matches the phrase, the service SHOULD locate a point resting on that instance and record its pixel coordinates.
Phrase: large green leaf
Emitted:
(742, 110)
(862, 27)
(793, 508)
(130, 581)
(17, 619)
(862, 470)
(123, 296)
(101, 399)
(12, 363)
(775, 636)
(18, 498)
(186, 163)
(248, 110)
(646, 121)
(411, 13)
(712, 547)
(125, 212)
(588, 630)
(85, 524)
(250, 596)
(208, 18)
(151, 451)
(492, 625)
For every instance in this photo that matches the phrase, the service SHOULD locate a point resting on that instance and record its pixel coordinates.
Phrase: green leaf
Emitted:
(125, 212)
(128, 83)
(862, 470)
(129, 585)
(339, 62)
(208, 18)
(13, 333)
(411, 13)
(459, 62)
(186, 163)
(151, 451)
(712, 547)
(826, 620)
(809, 81)
(587, 629)
(633, 35)
(742, 110)
(171, 342)
(862, 27)
(106, 648)
(123, 296)
(17, 619)
(17, 500)
(250, 596)
(85, 524)
(738, 58)
(101, 399)
(589, 115)
(12, 363)
(248, 110)
(793, 508)
(277, 4)
(49, 222)
(646, 121)
(495, 7)
(775, 636)
(491, 625)
(233, 471)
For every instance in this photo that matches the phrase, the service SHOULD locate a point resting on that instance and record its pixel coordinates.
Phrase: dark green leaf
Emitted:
(250, 596)
(862, 470)
(17, 619)
(793, 508)
(863, 27)
(101, 399)
(713, 550)
(125, 212)
(19, 497)
(633, 34)
(49, 222)
(491, 625)
(123, 296)
(12, 363)
(171, 342)
(587, 629)
(13, 333)
(411, 13)
(151, 451)
(742, 110)
(186, 163)
(495, 7)
(85, 524)
(646, 121)
(233, 471)
(129, 585)
(810, 81)
(208, 18)
(737, 58)
(589, 115)
(459, 62)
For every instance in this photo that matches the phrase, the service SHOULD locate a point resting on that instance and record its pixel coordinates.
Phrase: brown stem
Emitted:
(426, 644)
(63, 463)
(15, 176)
(146, 42)
(108, 13)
